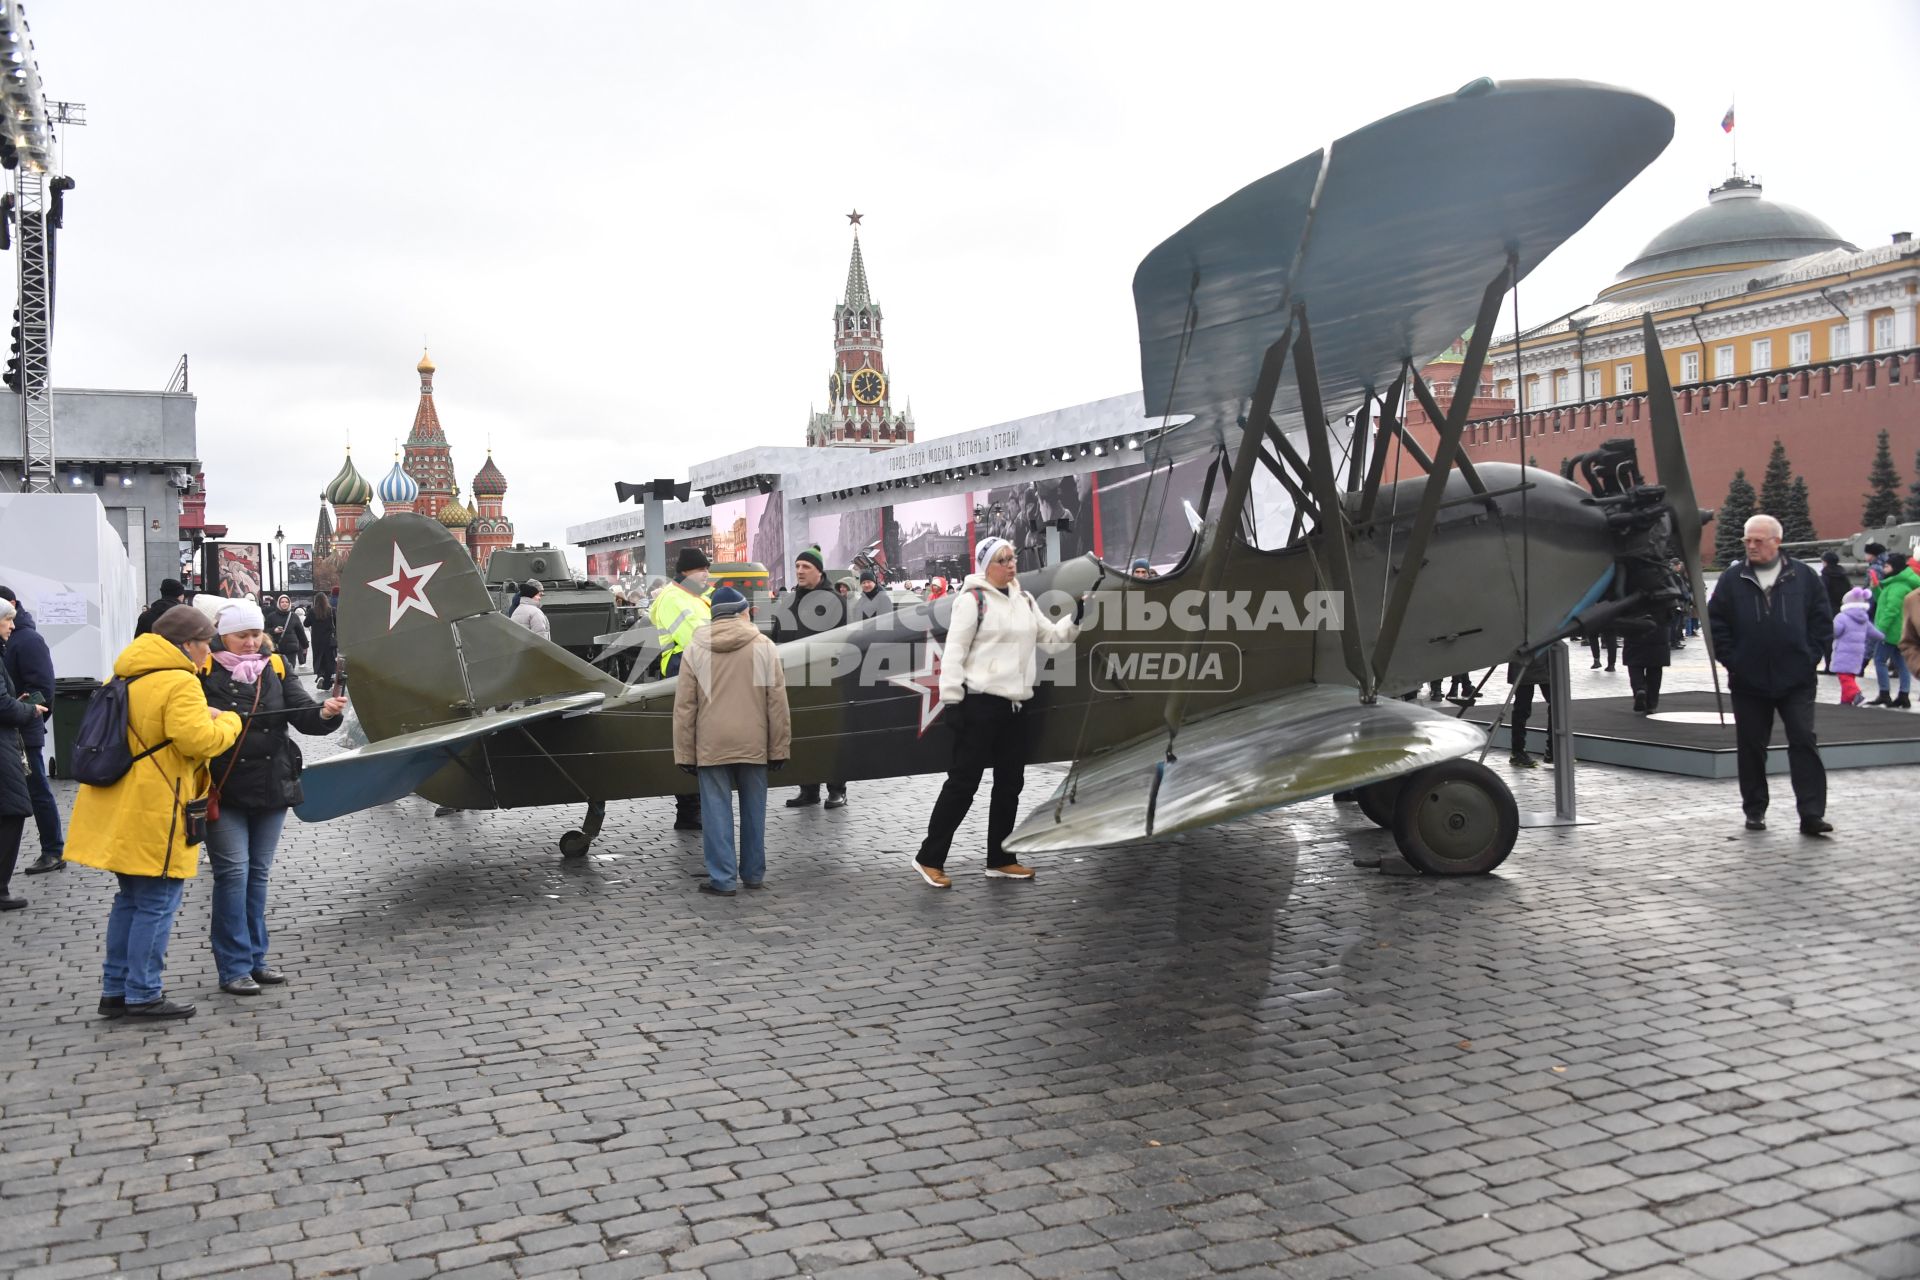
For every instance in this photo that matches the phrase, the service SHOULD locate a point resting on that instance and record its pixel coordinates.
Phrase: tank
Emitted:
(579, 611)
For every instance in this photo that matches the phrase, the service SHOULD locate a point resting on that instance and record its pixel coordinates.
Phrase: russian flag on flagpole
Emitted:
(1726, 121)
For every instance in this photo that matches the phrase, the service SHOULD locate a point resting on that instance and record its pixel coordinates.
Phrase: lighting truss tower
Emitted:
(34, 326)
(28, 149)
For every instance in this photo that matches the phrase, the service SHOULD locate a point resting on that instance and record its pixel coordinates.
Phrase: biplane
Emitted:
(1282, 331)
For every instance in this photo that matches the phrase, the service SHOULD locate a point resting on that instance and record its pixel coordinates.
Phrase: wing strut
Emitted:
(1333, 523)
(1389, 424)
(1227, 526)
(1301, 502)
(1357, 440)
(1432, 406)
(1444, 453)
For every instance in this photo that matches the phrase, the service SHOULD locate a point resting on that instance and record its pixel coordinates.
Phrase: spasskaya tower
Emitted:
(860, 413)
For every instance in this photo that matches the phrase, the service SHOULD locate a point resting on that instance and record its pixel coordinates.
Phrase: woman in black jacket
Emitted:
(284, 630)
(257, 782)
(320, 631)
(16, 805)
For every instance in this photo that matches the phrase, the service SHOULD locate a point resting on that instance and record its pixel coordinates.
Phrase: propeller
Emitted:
(1670, 458)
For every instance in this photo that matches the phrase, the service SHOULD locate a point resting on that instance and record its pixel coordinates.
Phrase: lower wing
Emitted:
(1309, 741)
(384, 771)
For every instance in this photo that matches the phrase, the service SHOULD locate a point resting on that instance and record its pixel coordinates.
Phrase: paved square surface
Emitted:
(1652, 1046)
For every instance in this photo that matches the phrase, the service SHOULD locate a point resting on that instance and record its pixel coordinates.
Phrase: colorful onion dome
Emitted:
(399, 488)
(349, 488)
(489, 482)
(455, 516)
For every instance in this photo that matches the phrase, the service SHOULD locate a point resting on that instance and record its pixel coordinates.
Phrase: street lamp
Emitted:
(280, 554)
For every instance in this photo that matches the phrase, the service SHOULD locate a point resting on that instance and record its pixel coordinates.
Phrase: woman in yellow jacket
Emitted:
(137, 828)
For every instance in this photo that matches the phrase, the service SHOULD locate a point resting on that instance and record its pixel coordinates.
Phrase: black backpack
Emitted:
(100, 755)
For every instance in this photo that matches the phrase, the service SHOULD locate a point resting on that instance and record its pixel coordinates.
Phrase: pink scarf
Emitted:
(243, 667)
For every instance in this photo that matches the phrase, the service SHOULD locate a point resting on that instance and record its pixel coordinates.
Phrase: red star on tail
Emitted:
(406, 587)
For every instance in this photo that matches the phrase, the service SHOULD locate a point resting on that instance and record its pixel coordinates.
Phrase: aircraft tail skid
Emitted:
(423, 642)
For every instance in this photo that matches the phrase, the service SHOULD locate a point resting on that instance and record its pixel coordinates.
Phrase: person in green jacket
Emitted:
(680, 609)
(1888, 601)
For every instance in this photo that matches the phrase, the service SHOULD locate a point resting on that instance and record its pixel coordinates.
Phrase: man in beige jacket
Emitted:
(730, 728)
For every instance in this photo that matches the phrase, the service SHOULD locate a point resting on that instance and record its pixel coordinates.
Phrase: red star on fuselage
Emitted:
(406, 587)
(925, 681)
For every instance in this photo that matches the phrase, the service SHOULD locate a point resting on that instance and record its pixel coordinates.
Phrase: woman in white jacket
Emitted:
(987, 670)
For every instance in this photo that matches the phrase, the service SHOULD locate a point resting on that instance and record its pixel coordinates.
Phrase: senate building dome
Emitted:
(1738, 230)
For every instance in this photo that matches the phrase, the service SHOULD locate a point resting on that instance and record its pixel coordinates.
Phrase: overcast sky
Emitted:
(619, 225)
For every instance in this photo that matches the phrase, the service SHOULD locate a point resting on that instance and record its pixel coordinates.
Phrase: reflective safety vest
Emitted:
(676, 614)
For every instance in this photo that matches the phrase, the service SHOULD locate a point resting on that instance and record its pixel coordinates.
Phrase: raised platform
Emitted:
(1686, 737)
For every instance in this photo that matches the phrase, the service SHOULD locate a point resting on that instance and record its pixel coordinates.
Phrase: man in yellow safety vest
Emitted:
(680, 609)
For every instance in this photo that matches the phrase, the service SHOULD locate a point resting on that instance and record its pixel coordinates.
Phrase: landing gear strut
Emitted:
(1377, 800)
(574, 844)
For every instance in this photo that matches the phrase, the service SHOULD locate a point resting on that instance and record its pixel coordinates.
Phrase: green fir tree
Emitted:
(1730, 522)
(1776, 486)
(1798, 520)
(1913, 490)
(1883, 502)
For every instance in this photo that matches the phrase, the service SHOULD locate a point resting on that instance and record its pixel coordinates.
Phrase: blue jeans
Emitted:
(137, 931)
(46, 810)
(717, 784)
(240, 844)
(1886, 661)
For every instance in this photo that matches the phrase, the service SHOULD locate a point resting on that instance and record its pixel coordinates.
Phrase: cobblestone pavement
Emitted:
(1653, 1046)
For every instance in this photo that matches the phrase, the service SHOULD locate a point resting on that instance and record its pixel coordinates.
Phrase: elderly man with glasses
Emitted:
(1770, 628)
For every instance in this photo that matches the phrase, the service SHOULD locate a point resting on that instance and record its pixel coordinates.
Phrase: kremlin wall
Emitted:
(1771, 326)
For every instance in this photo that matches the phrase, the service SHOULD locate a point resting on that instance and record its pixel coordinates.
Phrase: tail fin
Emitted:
(423, 642)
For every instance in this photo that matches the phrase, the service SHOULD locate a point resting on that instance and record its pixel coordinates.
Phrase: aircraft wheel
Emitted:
(1377, 801)
(575, 844)
(1456, 818)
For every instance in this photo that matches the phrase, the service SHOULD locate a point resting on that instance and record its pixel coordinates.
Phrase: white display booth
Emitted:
(70, 570)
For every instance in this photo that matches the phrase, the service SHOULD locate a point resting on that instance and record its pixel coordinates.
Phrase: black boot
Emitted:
(1902, 703)
(1884, 700)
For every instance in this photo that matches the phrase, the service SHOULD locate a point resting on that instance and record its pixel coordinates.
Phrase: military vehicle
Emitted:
(579, 611)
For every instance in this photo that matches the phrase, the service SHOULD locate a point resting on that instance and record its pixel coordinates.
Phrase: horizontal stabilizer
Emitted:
(384, 771)
(1309, 741)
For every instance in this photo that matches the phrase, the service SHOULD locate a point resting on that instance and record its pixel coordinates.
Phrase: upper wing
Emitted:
(384, 771)
(1309, 741)
(1389, 236)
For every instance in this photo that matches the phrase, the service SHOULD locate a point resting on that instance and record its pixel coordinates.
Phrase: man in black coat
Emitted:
(873, 600)
(1770, 626)
(171, 594)
(30, 669)
(811, 608)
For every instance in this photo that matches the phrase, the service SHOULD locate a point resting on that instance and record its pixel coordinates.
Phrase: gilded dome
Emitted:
(349, 488)
(398, 488)
(1736, 227)
(455, 516)
(489, 482)
(426, 362)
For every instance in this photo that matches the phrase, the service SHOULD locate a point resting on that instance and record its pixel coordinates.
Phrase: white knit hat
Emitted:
(241, 615)
(983, 552)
